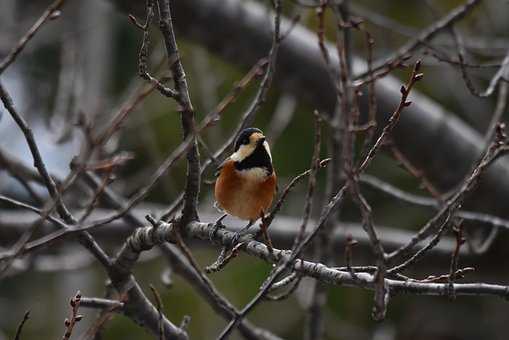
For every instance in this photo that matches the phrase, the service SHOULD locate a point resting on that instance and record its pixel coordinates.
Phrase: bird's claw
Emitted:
(218, 225)
(235, 238)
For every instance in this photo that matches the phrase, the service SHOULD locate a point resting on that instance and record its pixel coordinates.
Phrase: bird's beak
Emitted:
(261, 140)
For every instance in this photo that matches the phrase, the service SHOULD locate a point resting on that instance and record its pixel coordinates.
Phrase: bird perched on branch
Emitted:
(246, 181)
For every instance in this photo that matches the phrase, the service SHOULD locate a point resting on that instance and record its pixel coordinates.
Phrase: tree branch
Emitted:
(147, 237)
(192, 188)
(48, 14)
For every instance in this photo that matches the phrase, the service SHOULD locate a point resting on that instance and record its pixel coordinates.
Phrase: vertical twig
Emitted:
(34, 149)
(460, 240)
(350, 243)
(75, 317)
(21, 324)
(394, 118)
(159, 306)
(192, 189)
(372, 102)
(49, 14)
(315, 164)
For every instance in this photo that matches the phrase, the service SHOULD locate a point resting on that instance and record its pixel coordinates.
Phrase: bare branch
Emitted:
(145, 238)
(442, 218)
(424, 36)
(159, 306)
(394, 118)
(399, 194)
(21, 324)
(52, 12)
(101, 303)
(315, 164)
(34, 149)
(192, 189)
(75, 317)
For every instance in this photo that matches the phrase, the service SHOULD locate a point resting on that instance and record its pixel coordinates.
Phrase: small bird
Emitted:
(246, 181)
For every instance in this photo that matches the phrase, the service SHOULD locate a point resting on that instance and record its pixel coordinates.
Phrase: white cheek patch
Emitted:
(266, 146)
(235, 157)
(241, 153)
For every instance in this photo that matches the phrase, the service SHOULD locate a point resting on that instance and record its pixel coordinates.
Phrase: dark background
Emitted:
(96, 47)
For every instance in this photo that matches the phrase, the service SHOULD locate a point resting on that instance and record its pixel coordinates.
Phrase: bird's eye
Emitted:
(245, 141)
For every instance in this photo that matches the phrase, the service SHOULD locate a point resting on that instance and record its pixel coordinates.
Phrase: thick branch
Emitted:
(146, 238)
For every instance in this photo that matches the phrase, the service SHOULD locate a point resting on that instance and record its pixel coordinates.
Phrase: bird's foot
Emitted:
(241, 232)
(235, 238)
(217, 225)
(245, 235)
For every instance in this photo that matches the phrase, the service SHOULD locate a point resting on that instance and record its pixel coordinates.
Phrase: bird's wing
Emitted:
(276, 189)
(220, 166)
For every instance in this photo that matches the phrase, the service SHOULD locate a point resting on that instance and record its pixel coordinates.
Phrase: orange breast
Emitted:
(243, 197)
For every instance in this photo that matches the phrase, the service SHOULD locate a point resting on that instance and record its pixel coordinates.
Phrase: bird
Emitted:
(246, 181)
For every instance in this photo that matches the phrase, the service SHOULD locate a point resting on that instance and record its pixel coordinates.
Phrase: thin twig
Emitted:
(458, 231)
(394, 118)
(159, 306)
(49, 14)
(100, 303)
(350, 243)
(34, 149)
(405, 162)
(426, 35)
(75, 317)
(381, 291)
(423, 201)
(21, 324)
(143, 54)
(315, 164)
(192, 186)
(438, 223)
(501, 73)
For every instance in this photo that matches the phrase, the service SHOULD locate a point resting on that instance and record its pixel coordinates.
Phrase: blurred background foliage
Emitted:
(100, 47)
